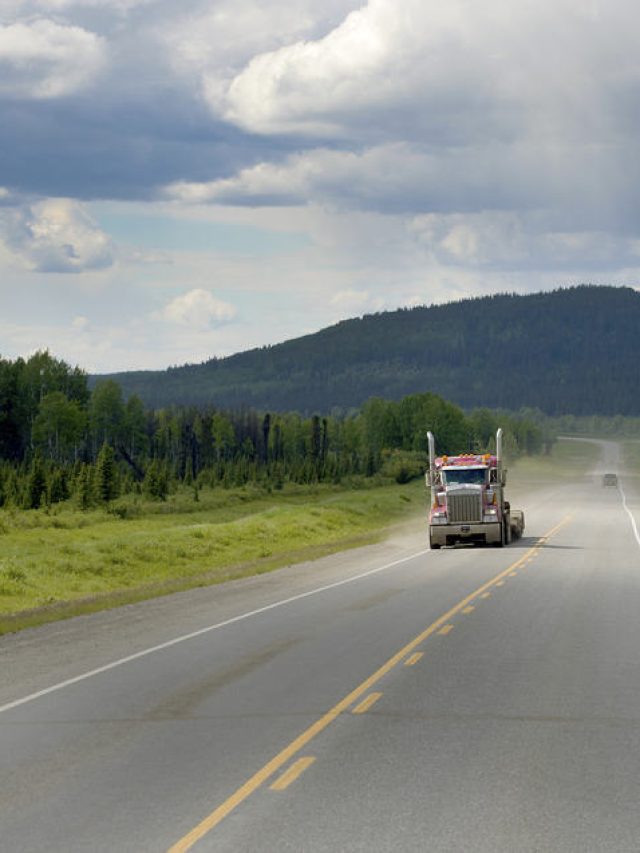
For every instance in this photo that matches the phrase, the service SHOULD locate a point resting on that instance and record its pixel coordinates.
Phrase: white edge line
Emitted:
(629, 513)
(121, 661)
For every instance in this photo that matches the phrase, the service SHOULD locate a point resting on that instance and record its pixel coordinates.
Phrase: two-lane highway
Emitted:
(386, 699)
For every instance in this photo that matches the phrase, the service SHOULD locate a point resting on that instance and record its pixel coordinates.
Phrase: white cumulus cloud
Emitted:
(517, 241)
(450, 73)
(57, 235)
(198, 309)
(304, 85)
(215, 41)
(351, 302)
(80, 323)
(43, 59)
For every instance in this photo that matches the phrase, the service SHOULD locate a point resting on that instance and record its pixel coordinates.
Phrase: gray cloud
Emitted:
(511, 131)
(503, 136)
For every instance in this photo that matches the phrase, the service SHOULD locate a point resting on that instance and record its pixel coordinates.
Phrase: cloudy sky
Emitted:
(183, 180)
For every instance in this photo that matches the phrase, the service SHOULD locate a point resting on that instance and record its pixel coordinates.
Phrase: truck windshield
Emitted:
(466, 476)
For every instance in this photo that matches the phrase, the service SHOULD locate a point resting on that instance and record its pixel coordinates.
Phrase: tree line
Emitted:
(59, 439)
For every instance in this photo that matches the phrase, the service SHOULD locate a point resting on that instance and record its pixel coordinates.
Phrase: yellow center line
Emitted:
(486, 595)
(364, 706)
(445, 630)
(468, 610)
(513, 574)
(290, 775)
(279, 760)
(413, 659)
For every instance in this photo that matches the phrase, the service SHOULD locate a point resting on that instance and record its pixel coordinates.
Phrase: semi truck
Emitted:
(467, 499)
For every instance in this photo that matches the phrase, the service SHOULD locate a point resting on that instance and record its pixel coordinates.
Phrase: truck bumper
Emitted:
(449, 534)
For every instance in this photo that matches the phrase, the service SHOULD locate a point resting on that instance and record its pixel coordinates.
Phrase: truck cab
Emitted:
(467, 499)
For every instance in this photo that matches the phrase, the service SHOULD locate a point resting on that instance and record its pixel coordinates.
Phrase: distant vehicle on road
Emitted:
(609, 479)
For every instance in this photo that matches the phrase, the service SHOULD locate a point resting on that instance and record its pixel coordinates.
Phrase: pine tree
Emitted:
(107, 486)
(156, 481)
(58, 488)
(36, 484)
(84, 492)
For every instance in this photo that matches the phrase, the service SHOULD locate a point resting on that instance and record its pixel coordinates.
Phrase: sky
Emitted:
(186, 180)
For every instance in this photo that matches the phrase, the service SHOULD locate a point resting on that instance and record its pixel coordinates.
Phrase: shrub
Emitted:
(403, 465)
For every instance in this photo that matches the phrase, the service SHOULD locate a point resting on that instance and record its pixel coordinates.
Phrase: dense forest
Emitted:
(59, 440)
(572, 351)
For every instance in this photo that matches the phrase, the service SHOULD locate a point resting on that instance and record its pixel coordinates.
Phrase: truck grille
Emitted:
(464, 508)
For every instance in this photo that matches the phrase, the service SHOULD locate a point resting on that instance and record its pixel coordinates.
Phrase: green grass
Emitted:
(631, 461)
(567, 460)
(631, 454)
(63, 562)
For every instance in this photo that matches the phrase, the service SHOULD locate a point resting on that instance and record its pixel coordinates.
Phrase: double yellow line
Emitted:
(278, 761)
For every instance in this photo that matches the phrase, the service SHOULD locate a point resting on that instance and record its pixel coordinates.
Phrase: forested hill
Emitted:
(574, 350)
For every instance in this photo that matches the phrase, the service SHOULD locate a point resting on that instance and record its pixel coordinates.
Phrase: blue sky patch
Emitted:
(172, 234)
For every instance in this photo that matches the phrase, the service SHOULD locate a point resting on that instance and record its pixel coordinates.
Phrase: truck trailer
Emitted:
(467, 499)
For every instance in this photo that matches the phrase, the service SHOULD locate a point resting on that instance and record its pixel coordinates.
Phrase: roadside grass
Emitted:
(62, 562)
(569, 459)
(631, 456)
(631, 464)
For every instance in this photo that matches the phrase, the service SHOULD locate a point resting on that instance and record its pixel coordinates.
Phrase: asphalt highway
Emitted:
(388, 698)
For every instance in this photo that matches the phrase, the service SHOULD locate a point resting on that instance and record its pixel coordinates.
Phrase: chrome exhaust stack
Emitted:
(502, 472)
(431, 475)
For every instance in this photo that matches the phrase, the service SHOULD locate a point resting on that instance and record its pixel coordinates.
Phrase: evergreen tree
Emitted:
(156, 481)
(58, 487)
(266, 429)
(36, 491)
(84, 489)
(106, 485)
(11, 489)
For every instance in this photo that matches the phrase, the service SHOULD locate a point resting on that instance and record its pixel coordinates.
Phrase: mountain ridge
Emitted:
(568, 351)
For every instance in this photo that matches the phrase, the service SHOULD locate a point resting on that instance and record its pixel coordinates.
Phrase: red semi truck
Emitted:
(467, 499)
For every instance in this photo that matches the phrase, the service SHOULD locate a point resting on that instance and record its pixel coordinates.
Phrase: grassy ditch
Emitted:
(64, 562)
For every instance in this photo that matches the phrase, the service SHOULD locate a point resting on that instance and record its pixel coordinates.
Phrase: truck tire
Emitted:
(517, 524)
(433, 545)
(499, 543)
